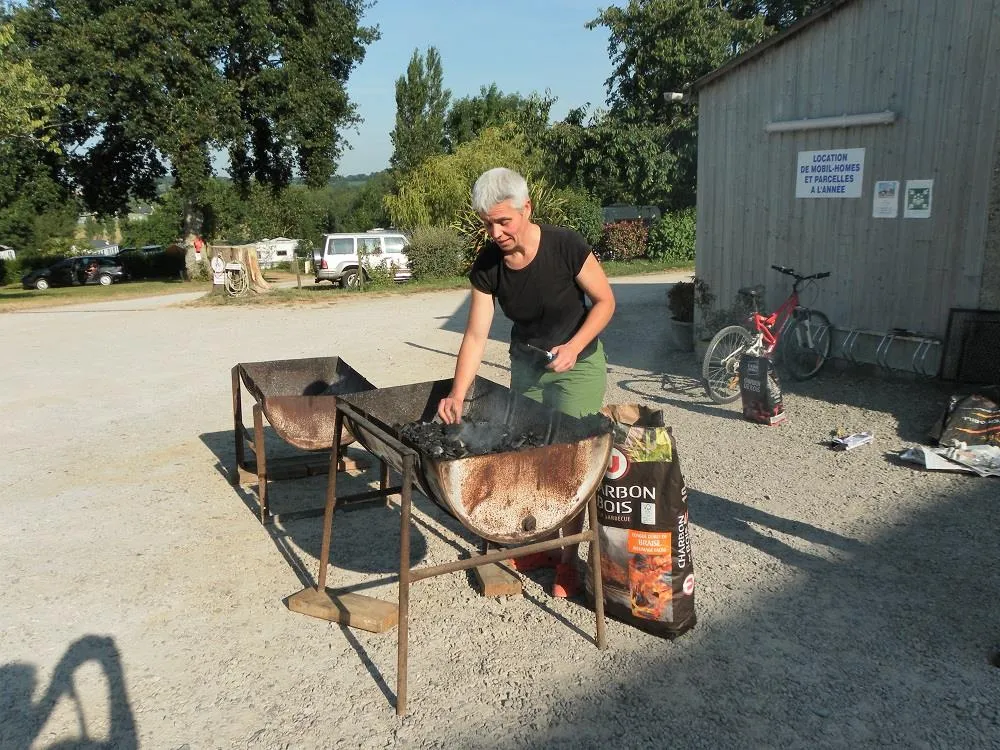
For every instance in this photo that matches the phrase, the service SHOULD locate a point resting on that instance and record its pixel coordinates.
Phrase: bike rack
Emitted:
(919, 362)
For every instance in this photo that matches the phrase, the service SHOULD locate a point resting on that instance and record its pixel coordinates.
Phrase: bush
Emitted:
(376, 275)
(583, 213)
(436, 253)
(200, 271)
(672, 237)
(624, 240)
(161, 264)
(11, 271)
(680, 300)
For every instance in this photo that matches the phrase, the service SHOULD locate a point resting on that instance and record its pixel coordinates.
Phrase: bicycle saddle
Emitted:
(753, 291)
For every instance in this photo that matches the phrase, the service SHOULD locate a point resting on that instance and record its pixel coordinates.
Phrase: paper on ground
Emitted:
(983, 460)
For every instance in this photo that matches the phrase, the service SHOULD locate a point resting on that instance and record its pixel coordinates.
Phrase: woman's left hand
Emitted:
(565, 358)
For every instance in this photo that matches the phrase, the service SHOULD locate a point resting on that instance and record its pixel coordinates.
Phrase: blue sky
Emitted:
(521, 45)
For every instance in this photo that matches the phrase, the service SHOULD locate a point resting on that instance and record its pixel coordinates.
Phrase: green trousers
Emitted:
(578, 392)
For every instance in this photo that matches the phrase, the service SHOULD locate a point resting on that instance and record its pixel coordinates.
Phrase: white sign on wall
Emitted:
(885, 200)
(837, 173)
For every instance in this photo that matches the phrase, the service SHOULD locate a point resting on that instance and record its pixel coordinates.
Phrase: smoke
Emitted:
(484, 437)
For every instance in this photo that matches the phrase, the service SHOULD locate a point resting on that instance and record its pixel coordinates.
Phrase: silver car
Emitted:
(336, 258)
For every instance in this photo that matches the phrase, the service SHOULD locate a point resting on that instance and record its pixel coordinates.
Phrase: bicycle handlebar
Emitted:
(798, 277)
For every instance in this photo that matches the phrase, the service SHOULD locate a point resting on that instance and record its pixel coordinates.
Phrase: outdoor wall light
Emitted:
(842, 121)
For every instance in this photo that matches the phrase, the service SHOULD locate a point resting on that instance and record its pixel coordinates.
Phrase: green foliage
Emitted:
(624, 240)
(421, 104)
(367, 209)
(34, 205)
(615, 160)
(659, 46)
(583, 213)
(29, 103)
(162, 264)
(673, 236)
(471, 115)
(437, 192)
(376, 275)
(437, 252)
(162, 227)
(680, 300)
(11, 271)
(777, 14)
(155, 82)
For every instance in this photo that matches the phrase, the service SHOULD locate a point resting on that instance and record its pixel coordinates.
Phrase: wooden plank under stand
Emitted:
(495, 579)
(353, 610)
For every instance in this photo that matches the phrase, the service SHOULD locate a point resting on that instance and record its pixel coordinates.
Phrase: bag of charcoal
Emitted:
(642, 512)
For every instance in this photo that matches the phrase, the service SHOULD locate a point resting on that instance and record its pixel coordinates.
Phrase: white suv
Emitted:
(336, 258)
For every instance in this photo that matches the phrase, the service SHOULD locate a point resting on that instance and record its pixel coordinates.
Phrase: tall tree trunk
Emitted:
(193, 220)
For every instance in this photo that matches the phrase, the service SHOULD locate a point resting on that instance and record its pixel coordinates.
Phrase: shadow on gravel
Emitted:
(22, 719)
(915, 404)
(740, 523)
(881, 644)
(652, 392)
(369, 546)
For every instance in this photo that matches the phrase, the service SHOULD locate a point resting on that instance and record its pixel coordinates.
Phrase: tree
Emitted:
(777, 14)
(368, 207)
(661, 46)
(163, 82)
(28, 102)
(470, 115)
(616, 160)
(34, 207)
(421, 104)
(438, 191)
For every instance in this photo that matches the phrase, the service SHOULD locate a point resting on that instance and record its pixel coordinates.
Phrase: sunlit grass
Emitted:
(325, 293)
(15, 298)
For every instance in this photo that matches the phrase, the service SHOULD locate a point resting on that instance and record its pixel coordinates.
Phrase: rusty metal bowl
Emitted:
(299, 396)
(511, 497)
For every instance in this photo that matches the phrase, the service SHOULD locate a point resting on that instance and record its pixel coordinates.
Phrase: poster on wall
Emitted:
(917, 199)
(835, 173)
(885, 200)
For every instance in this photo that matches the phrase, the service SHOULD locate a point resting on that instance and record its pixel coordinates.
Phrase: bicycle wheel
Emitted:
(720, 370)
(805, 344)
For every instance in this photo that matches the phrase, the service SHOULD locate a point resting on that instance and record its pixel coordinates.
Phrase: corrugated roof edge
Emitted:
(774, 41)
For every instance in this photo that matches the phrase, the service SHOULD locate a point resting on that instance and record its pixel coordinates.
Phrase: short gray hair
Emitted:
(496, 186)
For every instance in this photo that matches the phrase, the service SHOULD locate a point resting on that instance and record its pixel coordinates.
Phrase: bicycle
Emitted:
(805, 336)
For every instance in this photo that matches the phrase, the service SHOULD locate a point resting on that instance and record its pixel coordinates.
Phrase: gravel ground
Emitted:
(844, 599)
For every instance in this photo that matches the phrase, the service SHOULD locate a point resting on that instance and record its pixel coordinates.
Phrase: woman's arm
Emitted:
(470, 354)
(594, 283)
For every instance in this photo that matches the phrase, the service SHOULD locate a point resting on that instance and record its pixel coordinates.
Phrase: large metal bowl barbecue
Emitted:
(299, 396)
(511, 497)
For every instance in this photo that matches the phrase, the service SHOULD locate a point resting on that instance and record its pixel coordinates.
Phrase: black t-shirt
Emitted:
(542, 299)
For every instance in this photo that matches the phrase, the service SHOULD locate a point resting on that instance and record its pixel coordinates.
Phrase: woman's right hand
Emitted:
(450, 409)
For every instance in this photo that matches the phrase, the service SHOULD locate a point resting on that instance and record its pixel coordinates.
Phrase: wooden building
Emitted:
(864, 141)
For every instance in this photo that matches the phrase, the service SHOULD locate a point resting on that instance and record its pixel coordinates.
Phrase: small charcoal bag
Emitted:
(760, 391)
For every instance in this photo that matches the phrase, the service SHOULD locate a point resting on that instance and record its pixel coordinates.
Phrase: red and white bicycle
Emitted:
(804, 336)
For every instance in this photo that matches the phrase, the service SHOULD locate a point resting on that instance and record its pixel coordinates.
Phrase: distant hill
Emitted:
(352, 180)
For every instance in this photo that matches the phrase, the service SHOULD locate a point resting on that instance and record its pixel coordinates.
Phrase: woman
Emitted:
(542, 276)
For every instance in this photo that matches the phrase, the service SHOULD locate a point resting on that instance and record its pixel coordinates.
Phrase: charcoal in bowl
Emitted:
(469, 438)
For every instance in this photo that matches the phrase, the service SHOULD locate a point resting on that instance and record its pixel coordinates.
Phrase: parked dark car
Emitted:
(83, 269)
